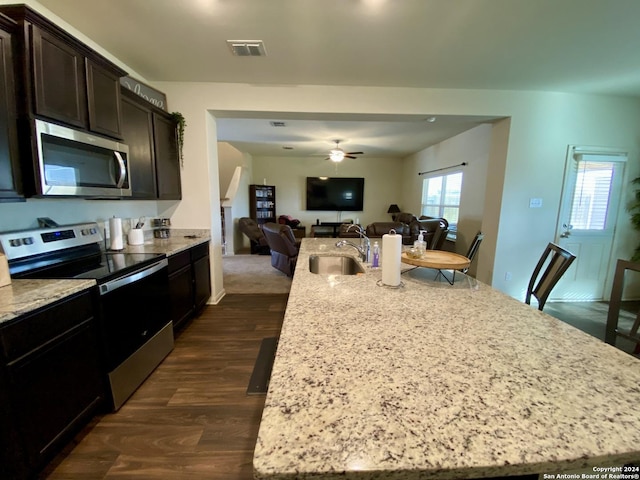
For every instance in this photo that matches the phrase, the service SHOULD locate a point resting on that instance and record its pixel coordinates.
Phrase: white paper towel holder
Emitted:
(380, 284)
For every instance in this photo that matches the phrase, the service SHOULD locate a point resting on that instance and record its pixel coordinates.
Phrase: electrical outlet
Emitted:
(507, 276)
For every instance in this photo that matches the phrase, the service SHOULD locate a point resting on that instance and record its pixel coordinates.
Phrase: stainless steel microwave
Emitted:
(76, 163)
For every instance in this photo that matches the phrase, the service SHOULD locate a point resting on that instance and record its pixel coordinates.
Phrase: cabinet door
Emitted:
(201, 281)
(103, 92)
(10, 181)
(59, 79)
(167, 158)
(181, 294)
(137, 129)
(55, 390)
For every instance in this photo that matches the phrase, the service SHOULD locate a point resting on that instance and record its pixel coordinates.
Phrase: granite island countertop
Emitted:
(437, 381)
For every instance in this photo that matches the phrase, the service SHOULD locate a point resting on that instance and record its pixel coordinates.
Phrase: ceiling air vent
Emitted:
(247, 48)
(278, 124)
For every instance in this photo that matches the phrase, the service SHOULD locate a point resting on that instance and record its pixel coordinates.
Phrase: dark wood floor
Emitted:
(591, 317)
(192, 418)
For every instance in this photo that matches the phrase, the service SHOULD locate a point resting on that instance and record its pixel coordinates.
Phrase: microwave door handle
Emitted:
(122, 169)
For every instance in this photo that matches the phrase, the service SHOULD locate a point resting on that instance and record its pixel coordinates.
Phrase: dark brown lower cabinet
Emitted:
(51, 382)
(189, 283)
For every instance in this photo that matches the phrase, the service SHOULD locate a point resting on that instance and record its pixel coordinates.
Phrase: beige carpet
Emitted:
(252, 274)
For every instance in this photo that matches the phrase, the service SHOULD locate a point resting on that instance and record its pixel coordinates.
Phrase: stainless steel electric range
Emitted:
(133, 309)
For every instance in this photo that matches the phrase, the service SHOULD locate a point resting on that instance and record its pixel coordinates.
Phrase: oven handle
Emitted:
(134, 277)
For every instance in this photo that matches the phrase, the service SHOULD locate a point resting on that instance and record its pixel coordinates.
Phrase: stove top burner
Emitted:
(72, 251)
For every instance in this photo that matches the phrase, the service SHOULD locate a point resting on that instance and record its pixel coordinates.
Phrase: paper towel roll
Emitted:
(115, 233)
(391, 259)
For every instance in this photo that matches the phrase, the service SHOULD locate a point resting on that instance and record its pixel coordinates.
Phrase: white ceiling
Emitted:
(582, 46)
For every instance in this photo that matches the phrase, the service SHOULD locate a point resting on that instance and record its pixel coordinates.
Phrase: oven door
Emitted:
(76, 163)
(137, 332)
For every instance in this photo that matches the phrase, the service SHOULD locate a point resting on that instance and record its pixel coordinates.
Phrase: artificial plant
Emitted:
(181, 122)
(634, 209)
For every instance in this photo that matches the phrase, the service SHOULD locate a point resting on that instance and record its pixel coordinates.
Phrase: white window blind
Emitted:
(591, 196)
(441, 197)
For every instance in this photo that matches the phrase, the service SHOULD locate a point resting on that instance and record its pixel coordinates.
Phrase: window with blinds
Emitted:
(441, 197)
(592, 195)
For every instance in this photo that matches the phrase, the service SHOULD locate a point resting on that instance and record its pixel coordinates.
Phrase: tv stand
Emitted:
(326, 229)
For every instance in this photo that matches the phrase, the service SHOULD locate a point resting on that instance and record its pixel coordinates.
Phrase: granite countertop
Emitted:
(436, 381)
(23, 296)
(180, 239)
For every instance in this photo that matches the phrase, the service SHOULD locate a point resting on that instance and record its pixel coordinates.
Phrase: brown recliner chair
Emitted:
(349, 230)
(282, 242)
(250, 228)
(377, 229)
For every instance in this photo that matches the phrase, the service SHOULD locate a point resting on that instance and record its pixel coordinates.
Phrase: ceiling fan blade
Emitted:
(349, 156)
(354, 153)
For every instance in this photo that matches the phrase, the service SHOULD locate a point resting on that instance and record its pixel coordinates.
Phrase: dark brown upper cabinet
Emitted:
(63, 79)
(10, 178)
(165, 138)
(154, 162)
(59, 84)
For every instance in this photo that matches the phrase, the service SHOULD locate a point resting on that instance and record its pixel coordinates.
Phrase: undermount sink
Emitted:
(334, 265)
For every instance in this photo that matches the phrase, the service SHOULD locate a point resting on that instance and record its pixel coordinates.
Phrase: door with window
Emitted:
(587, 220)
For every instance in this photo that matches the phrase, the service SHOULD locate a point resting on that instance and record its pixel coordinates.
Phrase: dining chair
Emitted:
(473, 249)
(612, 331)
(559, 260)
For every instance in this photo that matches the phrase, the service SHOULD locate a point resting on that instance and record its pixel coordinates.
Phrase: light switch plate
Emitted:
(535, 203)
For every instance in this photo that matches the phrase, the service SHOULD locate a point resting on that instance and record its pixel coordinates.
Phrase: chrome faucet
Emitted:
(364, 249)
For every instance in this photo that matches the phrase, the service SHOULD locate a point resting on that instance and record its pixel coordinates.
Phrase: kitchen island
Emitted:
(436, 381)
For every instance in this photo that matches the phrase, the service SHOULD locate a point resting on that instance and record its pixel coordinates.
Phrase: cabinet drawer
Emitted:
(199, 251)
(178, 261)
(35, 329)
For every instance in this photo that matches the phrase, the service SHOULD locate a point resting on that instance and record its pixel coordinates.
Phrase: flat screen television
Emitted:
(335, 193)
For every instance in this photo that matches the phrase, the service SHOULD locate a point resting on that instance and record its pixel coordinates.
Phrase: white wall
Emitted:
(382, 180)
(526, 156)
(230, 159)
(24, 215)
(471, 147)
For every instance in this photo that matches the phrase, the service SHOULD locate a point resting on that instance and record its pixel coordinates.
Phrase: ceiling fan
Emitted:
(337, 154)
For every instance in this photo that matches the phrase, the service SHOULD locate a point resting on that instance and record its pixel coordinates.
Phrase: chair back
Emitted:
(439, 235)
(282, 242)
(473, 249)
(252, 230)
(378, 229)
(612, 331)
(558, 261)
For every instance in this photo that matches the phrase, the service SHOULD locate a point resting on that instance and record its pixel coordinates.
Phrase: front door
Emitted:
(586, 224)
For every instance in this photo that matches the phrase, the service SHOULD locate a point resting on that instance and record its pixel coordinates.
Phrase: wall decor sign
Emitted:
(151, 95)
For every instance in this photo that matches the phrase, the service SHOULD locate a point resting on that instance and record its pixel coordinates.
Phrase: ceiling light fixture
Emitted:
(431, 119)
(336, 155)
